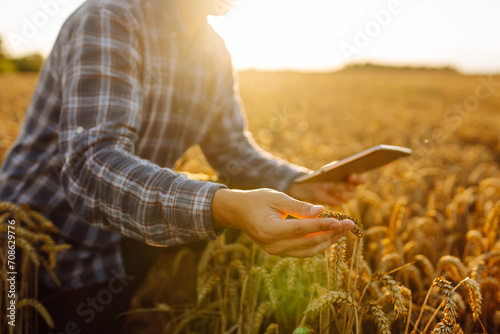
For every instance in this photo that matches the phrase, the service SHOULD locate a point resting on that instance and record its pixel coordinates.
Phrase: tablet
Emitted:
(338, 171)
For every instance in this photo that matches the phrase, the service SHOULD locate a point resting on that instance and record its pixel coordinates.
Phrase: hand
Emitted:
(261, 215)
(330, 193)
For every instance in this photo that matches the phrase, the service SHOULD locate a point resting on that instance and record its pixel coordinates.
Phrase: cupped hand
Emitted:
(331, 193)
(261, 215)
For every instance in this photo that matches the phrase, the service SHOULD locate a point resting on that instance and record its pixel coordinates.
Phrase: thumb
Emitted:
(300, 209)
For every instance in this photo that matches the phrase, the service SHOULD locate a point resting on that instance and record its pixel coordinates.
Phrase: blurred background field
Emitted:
(311, 119)
(450, 187)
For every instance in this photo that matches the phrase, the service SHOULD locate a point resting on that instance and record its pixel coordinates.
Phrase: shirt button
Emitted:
(79, 130)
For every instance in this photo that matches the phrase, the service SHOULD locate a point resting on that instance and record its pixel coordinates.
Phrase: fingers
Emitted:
(342, 192)
(357, 178)
(309, 245)
(297, 208)
(296, 228)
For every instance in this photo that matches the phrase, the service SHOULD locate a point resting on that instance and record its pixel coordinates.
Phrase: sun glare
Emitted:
(273, 34)
(325, 34)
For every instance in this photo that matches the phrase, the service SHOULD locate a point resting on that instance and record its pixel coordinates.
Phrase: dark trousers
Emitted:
(95, 309)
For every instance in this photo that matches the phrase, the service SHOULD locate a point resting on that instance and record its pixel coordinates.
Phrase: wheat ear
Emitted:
(390, 259)
(476, 298)
(453, 266)
(397, 216)
(204, 289)
(450, 305)
(240, 267)
(492, 219)
(358, 229)
(476, 238)
(329, 298)
(490, 182)
(337, 264)
(380, 318)
(30, 251)
(448, 322)
(280, 265)
(445, 326)
(263, 309)
(272, 329)
(273, 294)
(394, 290)
(40, 309)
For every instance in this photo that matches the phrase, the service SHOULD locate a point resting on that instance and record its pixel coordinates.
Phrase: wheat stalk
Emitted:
(480, 263)
(279, 266)
(450, 305)
(268, 283)
(448, 322)
(233, 248)
(411, 272)
(34, 237)
(19, 214)
(397, 216)
(292, 275)
(458, 329)
(40, 309)
(492, 219)
(29, 250)
(491, 182)
(476, 297)
(3, 219)
(375, 201)
(204, 289)
(263, 309)
(203, 265)
(427, 265)
(377, 230)
(446, 326)
(496, 318)
(491, 226)
(327, 299)
(272, 329)
(233, 299)
(50, 271)
(389, 259)
(410, 249)
(476, 238)
(380, 318)
(337, 264)
(240, 267)
(44, 225)
(394, 290)
(453, 266)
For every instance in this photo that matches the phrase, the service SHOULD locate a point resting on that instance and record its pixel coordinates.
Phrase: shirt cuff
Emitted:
(286, 174)
(188, 211)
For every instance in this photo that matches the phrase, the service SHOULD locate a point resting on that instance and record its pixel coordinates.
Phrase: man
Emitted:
(128, 87)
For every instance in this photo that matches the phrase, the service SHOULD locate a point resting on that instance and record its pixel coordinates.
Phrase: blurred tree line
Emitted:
(28, 63)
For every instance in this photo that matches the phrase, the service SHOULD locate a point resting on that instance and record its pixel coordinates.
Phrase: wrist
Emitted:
(223, 208)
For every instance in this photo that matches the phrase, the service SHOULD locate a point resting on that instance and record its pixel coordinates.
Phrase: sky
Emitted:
(313, 35)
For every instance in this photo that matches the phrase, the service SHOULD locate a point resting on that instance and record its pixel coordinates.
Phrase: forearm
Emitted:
(242, 164)
(115, 189)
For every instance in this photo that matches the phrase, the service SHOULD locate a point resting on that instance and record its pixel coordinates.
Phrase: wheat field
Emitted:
(427, 258)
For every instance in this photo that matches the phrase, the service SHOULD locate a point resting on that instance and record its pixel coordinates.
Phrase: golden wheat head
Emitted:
(358, 229)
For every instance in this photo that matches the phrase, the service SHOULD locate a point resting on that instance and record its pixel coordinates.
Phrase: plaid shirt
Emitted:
(124, 93)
